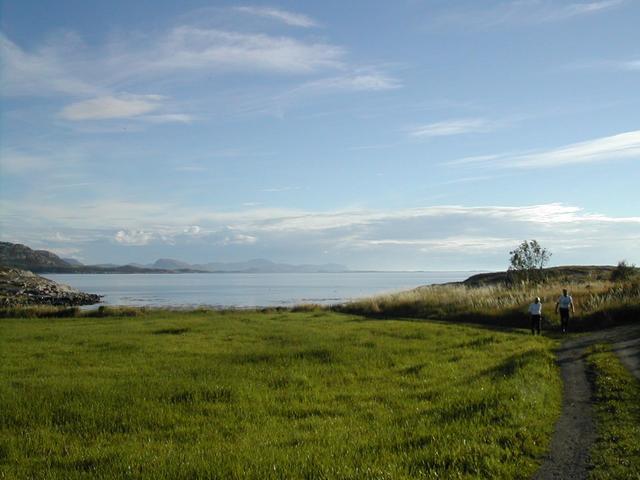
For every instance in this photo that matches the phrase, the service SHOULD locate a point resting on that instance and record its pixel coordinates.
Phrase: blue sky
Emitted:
(381, 135)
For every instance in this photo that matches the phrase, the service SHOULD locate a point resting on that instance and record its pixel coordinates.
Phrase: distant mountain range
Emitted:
(42, 261)
(251, 266)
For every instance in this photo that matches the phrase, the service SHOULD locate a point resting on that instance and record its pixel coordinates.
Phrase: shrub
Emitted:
(623, 272)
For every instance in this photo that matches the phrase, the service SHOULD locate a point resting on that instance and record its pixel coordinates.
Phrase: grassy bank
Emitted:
(271, 395)
(598, 304)
(616, 453)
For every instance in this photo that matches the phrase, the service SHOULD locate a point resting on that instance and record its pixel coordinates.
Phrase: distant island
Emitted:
(20, 256)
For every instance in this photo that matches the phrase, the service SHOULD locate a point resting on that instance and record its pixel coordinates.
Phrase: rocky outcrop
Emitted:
(21, 288)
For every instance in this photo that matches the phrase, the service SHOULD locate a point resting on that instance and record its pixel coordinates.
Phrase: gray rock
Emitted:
(21, 288)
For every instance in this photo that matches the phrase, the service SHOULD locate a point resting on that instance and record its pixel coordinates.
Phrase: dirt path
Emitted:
(575, 431)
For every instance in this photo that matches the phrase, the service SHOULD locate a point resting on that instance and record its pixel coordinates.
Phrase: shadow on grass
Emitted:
(171, 331)
(317, 355)
(508, 320)
(513, 364)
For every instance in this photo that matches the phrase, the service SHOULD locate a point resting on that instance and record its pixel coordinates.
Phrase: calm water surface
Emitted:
(247, 289)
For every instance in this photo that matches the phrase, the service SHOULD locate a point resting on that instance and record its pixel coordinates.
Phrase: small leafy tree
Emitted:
(528, 260)
(623, 272)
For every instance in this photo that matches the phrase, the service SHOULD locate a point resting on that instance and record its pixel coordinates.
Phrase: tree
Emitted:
(623, 272)
(528, 260)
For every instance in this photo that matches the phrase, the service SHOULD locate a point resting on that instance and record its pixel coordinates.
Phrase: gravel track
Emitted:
(575, 431)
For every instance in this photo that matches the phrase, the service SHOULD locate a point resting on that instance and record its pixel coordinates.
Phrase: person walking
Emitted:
(535, 312)
(564, 303)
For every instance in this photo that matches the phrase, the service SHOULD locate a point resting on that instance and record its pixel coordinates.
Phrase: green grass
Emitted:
(616, 453)
(310, 394)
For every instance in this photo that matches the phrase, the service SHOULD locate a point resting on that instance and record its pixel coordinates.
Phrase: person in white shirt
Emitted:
(564, 303)
(535, 312)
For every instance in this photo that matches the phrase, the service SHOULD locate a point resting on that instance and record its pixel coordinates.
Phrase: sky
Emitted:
(406, 135)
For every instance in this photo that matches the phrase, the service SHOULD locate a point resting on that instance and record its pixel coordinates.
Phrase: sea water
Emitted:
(243, 290)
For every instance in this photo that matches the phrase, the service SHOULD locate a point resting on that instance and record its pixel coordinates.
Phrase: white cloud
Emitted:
(451, 244)
(623, 145)
(446, 232)
(240, 239)
(605, 149)
(133, 237)
(101, 108)
(289, 18)
(453, 127)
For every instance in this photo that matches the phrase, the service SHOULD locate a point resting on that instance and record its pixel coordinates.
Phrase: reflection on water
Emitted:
(247, 289)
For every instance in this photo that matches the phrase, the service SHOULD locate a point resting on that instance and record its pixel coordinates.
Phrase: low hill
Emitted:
(261, 265)
(570, 274)
(20, 256)
(15, 255)
(170, 264)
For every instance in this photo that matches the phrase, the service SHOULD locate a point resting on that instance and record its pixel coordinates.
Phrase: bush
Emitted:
(623, 272)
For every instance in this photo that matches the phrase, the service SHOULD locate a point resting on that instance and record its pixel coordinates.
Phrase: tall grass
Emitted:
(597, 303)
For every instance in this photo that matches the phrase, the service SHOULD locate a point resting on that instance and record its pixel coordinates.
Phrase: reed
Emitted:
(598, 303)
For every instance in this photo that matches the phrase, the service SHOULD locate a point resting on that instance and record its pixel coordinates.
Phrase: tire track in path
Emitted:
(575, 431)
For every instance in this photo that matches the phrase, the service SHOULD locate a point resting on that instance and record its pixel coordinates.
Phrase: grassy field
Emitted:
(314, 394)
(616, 453)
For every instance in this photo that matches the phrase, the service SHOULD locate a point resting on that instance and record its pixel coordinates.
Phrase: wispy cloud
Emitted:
(631, 65)
(52, 68)
(615, 147)
(97, 78)
(16, 162)
(353, 82)
(188, 47)
(367, 80)
(101, 108)
(168, 118)
(467, 243)
(280, 189)
(289, 18)
(54, 163)
(57, 67)
(586, 8)
(525, 12)
(453, 127)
